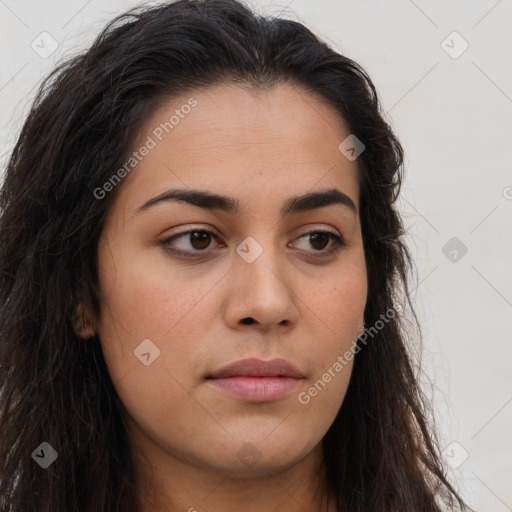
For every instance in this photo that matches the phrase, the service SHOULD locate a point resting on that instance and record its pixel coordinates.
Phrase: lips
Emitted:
(255, 380)
(258, 368)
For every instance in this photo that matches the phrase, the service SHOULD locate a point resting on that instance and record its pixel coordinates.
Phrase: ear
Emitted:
(83, 324)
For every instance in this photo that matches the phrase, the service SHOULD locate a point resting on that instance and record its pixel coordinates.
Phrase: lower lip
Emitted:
(256, 389)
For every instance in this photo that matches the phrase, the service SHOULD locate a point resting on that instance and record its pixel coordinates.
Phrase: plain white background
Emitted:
(451, 108)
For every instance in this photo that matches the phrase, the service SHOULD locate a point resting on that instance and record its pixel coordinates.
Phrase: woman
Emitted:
(202, 273)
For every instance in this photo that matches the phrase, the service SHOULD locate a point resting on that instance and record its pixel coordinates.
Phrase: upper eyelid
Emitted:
(209, 230)
(339, 239)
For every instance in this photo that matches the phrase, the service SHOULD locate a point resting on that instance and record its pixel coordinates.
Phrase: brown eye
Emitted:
(319, 240)
(190, 242)
(200, 239)
(196, 243)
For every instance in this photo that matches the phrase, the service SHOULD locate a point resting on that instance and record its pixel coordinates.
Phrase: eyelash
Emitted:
(339, 243)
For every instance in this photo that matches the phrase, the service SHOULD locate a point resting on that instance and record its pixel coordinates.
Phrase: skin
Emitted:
(260, 147)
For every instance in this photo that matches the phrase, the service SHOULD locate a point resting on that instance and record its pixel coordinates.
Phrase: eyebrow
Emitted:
(212, 201)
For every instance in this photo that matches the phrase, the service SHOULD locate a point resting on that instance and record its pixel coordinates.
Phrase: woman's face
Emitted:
(258, 277)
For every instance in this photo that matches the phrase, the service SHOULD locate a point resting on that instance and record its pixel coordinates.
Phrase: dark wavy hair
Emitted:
(381, 453)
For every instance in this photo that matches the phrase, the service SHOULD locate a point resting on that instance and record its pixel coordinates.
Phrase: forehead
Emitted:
(232, 115)
(242, 142)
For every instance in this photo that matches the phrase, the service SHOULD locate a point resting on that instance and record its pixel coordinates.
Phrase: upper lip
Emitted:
(257, 368)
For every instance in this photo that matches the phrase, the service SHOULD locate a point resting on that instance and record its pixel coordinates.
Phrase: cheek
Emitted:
(149, 329)
(337, 308)
(338, 305)
(141, 302)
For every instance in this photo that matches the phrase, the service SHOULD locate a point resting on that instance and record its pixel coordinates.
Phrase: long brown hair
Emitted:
(381, 452)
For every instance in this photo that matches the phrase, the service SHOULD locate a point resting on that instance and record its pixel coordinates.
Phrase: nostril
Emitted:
(247, 321)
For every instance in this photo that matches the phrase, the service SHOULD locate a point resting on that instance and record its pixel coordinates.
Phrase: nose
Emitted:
(261, 289)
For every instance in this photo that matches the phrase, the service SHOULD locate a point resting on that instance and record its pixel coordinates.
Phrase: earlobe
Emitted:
(83, 324)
